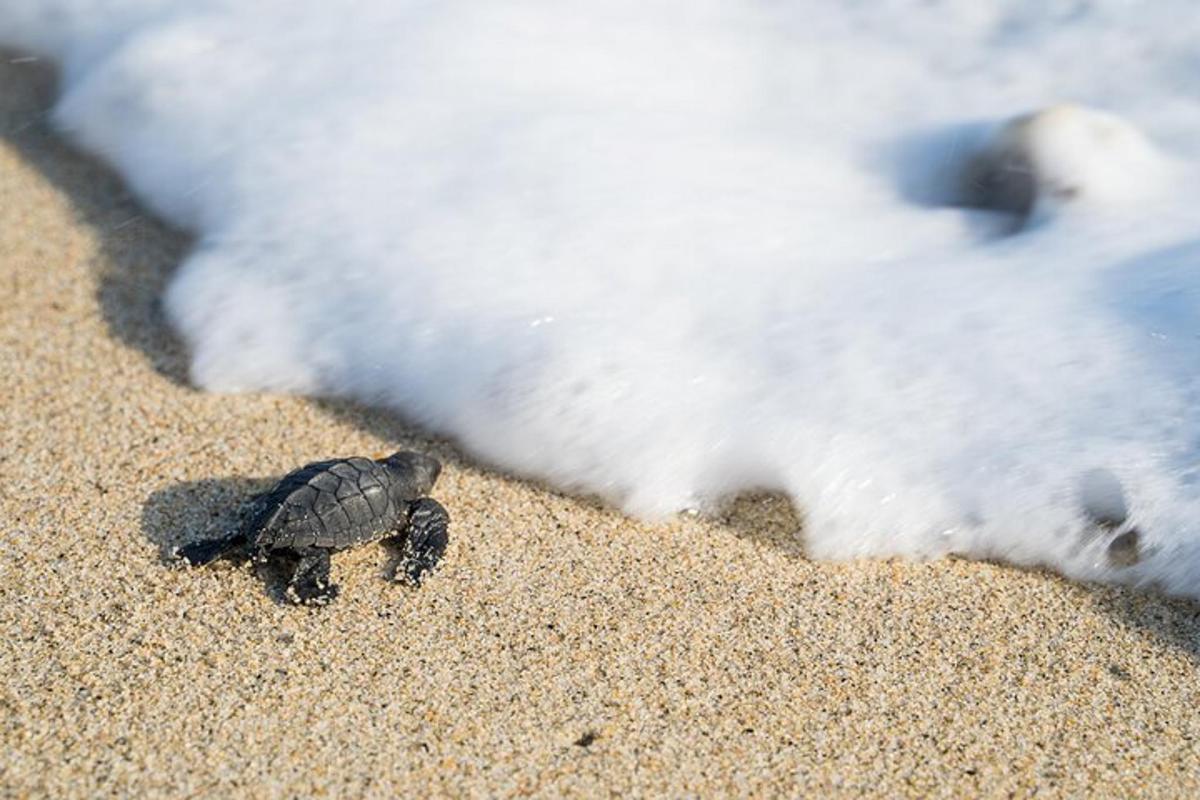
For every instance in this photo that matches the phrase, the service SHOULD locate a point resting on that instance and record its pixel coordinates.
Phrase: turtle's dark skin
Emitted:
(333, 505)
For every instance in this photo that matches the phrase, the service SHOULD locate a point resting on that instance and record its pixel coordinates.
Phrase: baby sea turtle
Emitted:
(333, 505)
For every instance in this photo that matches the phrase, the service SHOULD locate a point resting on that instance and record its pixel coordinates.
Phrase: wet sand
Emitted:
(562, 649)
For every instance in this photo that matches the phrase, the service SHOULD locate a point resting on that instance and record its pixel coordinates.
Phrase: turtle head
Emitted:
(416, 472)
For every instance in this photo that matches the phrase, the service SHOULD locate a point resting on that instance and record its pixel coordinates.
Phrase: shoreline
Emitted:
(561, 649)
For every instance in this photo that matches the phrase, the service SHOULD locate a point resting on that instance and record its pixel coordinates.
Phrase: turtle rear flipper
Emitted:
(206, 551)
(232, 543)
(310, 584)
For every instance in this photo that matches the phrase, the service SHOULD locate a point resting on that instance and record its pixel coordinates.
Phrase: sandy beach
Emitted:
(562, 649)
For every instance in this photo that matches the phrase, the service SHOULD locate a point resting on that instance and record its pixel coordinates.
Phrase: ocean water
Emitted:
(665, 251)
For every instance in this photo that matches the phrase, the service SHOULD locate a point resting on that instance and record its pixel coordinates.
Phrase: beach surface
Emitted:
(562, 649)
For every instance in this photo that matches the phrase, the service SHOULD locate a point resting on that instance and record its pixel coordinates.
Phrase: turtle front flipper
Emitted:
(206, 551)
(427, 535)
(310, 584)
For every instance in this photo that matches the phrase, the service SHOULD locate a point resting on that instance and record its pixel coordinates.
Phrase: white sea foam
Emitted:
(666, 250)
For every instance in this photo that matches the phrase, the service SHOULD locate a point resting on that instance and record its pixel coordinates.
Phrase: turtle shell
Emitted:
(328, 504)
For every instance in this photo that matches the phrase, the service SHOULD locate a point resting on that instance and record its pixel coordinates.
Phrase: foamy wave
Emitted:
(664, 251)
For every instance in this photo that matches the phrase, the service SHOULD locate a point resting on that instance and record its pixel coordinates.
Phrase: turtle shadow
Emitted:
(193, 511)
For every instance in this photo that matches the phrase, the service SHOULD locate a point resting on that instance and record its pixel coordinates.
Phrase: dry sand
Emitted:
(562, 649)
